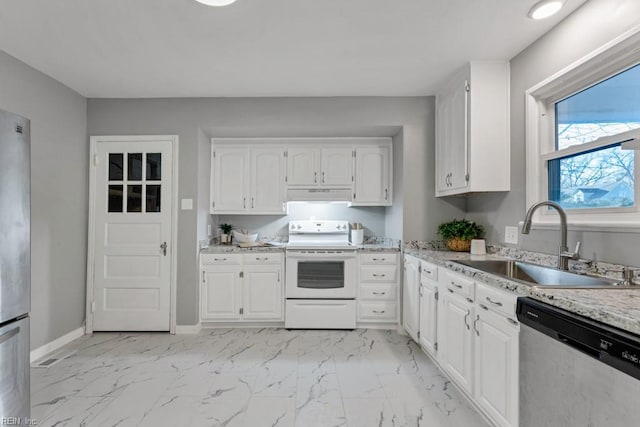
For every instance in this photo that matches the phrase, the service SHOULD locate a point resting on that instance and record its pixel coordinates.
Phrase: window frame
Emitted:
(613, 58)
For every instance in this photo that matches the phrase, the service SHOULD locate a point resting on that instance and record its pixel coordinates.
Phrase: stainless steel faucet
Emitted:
(563, 250)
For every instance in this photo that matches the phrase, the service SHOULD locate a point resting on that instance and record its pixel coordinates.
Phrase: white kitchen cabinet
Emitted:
(378, 288)
(455, 337)
(263, 296)
(429, 308)
(472, 130)
(373, 181)
(310, 166)
(247, 179)
(247, 287)
(411, 297)
(497, 356)
(221, 295)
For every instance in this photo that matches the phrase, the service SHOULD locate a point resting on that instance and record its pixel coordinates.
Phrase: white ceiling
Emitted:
(180, 48)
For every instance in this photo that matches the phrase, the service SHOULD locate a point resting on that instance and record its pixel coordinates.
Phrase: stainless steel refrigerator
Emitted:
(15, 268)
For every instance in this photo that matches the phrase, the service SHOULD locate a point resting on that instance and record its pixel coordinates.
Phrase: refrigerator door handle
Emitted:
(5, 337)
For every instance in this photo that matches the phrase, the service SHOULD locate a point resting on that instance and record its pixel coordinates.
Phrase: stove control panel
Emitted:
(318, 227)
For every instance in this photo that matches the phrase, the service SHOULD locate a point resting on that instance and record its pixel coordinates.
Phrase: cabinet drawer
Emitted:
(377, 311)
(220, 259)
(379, 258)
(496, 300)
(379, 273)
(384, 292)
(460, 285)
(262, 258)
(429, 271)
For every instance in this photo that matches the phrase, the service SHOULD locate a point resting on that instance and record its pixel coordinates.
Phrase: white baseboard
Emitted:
(188, 329)
(54, 345)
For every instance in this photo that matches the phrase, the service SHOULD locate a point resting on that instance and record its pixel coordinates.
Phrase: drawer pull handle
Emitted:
(427, 271)
(513, 322)
(262, 259)
(498, 303)
(379, 275)
(456, 285)
(219, 259)
(379, 259)
(378, 311)
(450, 290)
(379, 293)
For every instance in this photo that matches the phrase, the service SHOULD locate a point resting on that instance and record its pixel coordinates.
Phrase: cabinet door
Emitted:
(337, 166)
(443, 127)
(302, 166)
(229, 178)
(372, 177)
(267, 180)
(496, 386)
(411, 297)
(428, 317)
(221, 293)
(457, 348)
(263, 296)
(458, 133)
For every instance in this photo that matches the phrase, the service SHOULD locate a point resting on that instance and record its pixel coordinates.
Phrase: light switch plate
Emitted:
(511, 235)
(186, 204)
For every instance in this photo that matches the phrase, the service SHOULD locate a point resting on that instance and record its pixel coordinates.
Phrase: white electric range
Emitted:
(321, 276)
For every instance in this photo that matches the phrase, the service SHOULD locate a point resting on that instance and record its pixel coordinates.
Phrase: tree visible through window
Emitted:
(584, 173)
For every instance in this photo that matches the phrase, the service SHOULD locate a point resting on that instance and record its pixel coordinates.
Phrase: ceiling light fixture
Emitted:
(545, 8)
(216, 2)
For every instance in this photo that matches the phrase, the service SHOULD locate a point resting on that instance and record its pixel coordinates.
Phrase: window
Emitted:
(581, 126)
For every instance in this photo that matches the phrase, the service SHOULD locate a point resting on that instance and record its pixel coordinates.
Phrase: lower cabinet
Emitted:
(246, 287)
(429, 309)
(378, 288)
(411, 297)
(456, 349)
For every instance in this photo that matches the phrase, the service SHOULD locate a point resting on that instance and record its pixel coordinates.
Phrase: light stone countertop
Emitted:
(224, 249)
(617, 307)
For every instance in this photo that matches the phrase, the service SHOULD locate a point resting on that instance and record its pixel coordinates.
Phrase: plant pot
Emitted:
(225, 239)
(458, 245)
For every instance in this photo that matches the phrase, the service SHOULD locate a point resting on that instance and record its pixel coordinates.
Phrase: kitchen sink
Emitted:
(542, 277)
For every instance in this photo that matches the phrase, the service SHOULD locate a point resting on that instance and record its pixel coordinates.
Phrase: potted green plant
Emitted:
(458, 234)
(225, 235)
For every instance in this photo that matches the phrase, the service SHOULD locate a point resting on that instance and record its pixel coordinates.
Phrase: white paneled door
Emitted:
(132, 235)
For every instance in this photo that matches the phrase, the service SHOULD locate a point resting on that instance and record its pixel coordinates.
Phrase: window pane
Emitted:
(115, 166)
(608, 108)
(115, 198)
(601, 178)
(153, 198)
(154, 166)
(134, 198)
(135, 167)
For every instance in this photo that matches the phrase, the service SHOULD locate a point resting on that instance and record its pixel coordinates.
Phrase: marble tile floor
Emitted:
(248, 377)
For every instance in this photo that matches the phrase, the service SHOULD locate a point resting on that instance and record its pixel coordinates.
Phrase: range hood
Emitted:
(319, 195)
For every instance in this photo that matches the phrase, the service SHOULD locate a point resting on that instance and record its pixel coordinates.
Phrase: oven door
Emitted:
(321, 274)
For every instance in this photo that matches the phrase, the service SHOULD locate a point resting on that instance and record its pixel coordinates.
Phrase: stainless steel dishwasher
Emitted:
(575, 371)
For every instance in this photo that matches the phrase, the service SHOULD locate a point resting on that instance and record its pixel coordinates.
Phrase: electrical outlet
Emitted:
(511, 235)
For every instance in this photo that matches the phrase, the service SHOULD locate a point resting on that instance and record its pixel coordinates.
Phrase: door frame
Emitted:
(173, 277)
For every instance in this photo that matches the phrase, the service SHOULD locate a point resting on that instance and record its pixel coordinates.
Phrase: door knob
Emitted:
(163, 246)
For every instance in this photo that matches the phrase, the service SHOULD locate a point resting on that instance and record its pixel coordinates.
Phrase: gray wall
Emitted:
(59, 192)
(228, 117)
(594, 24)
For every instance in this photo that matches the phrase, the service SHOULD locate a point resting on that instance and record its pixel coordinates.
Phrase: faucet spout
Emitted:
(563, 250)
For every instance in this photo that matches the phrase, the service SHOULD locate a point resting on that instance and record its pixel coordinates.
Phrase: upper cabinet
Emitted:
(247, 179)
(472, 130)
(258, 175)
(308, 165)
(373, 181)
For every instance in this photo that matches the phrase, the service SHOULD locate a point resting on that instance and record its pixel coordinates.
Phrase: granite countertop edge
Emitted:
(217, 249)
(618, 308)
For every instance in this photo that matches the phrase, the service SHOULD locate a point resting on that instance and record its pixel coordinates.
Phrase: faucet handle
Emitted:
(573, 255)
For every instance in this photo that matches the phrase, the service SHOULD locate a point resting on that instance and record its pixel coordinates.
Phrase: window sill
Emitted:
(596, 226)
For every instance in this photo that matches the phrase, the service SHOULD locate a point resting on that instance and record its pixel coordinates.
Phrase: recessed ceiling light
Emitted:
(545, 8)
(216, 2)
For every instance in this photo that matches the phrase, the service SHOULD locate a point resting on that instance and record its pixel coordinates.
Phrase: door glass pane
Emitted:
(153, 198)
(115, 166)
(154, 166)
(135, 167)
(601, 178)
(321, 274)
(134, 198)
(115, 198)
